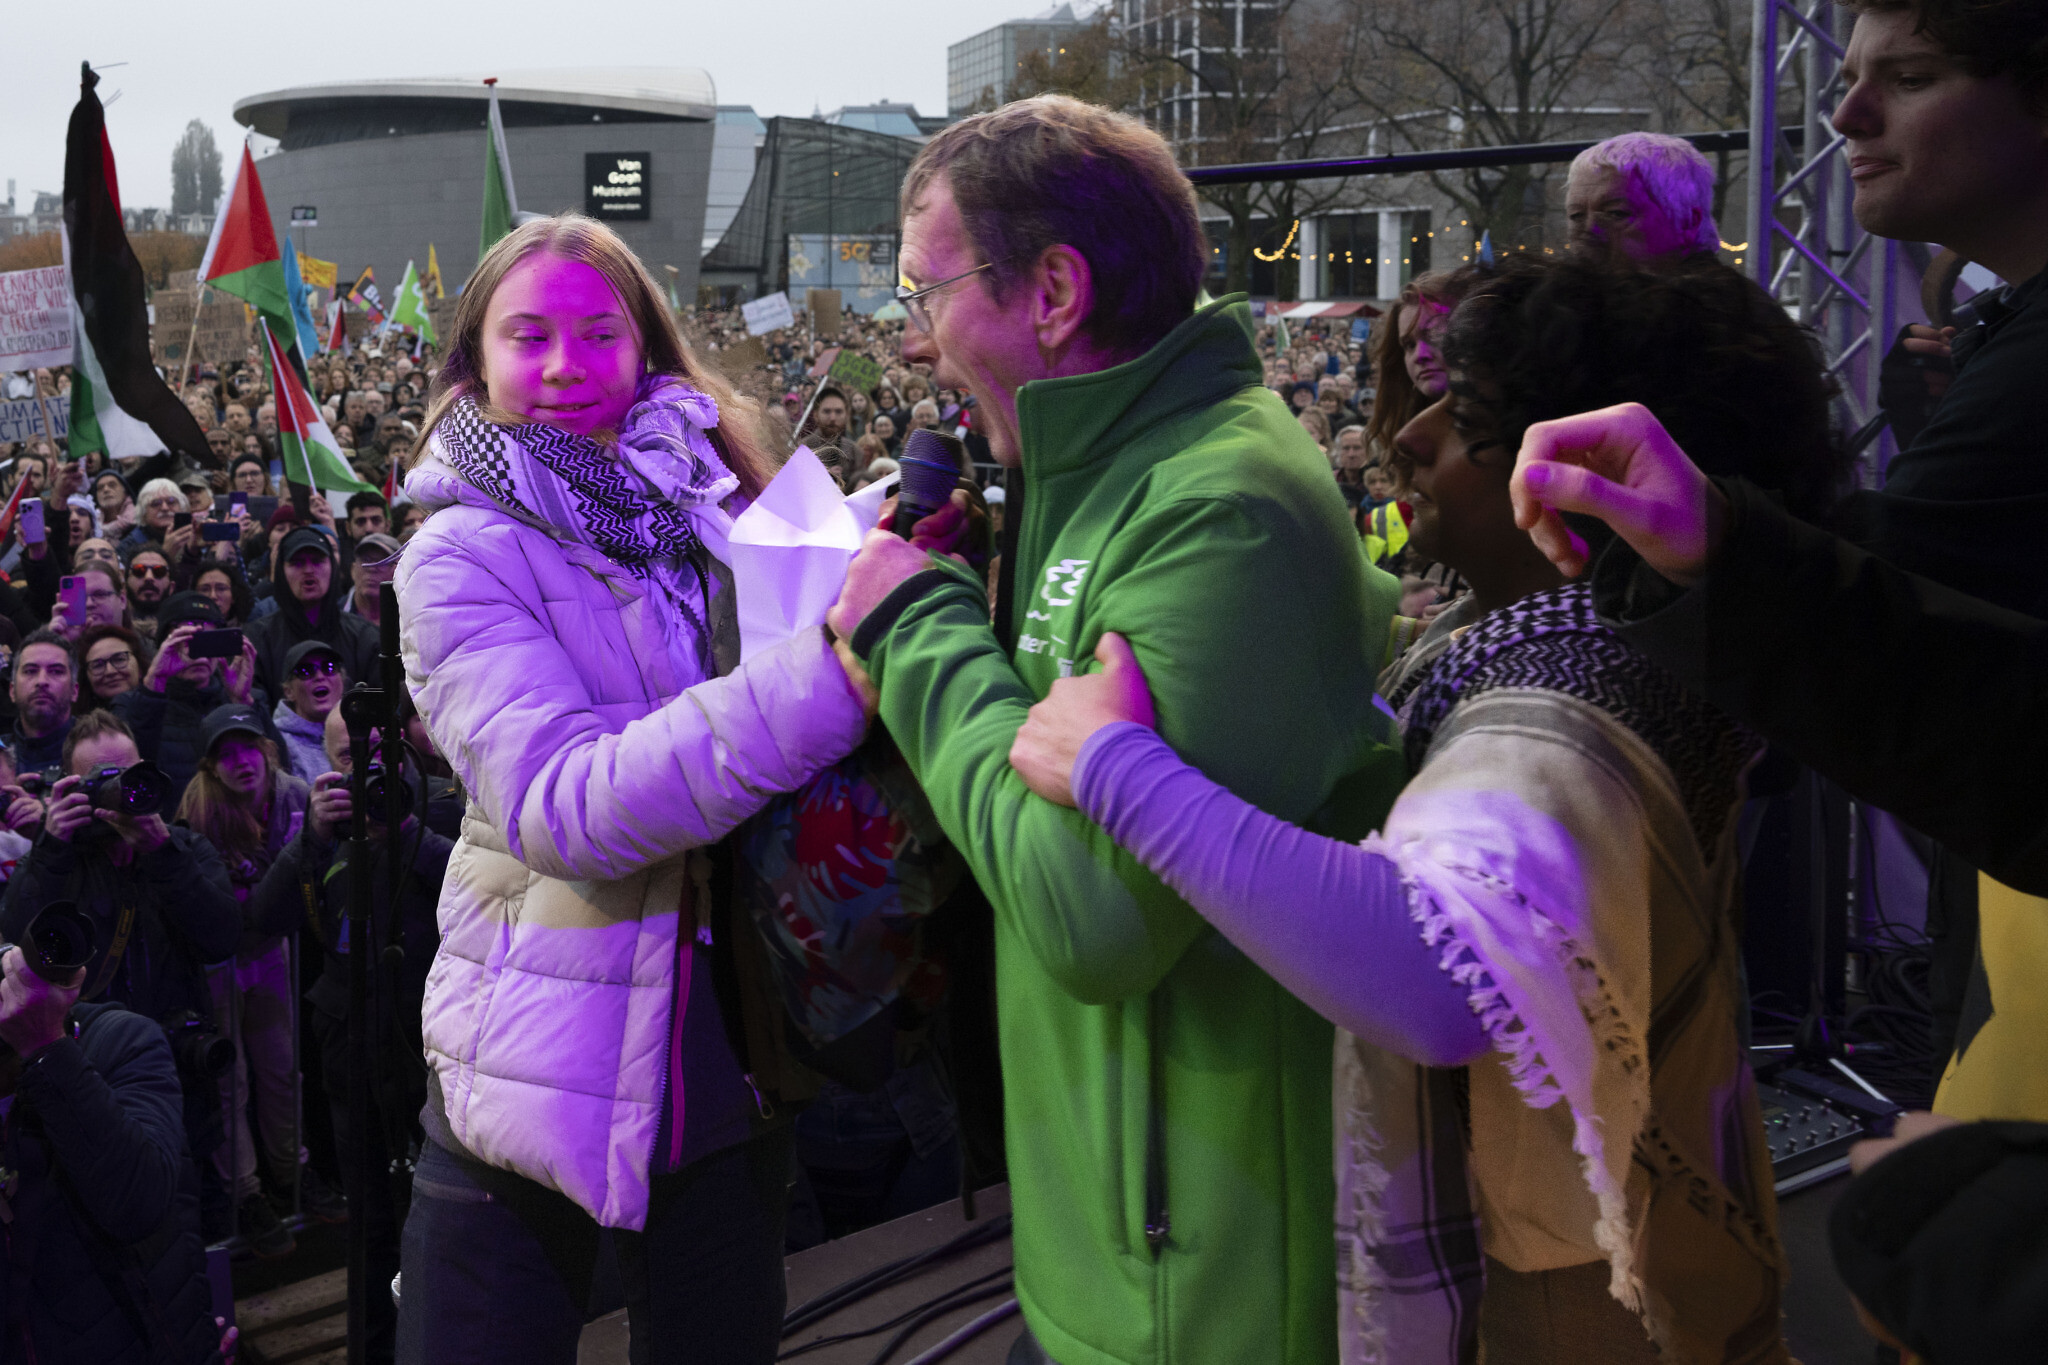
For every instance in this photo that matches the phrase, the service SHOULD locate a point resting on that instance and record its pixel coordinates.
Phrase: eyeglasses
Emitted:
(160, 501)
(913, 300)
(110, 663)
(317, 668)
(148, 571)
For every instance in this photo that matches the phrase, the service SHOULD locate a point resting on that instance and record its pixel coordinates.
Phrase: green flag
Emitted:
(409, 306)
(501, 202)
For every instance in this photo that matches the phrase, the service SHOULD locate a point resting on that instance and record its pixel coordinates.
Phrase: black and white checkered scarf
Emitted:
(648, 504)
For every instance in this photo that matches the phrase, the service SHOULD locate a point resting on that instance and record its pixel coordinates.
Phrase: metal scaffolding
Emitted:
(1804, 245)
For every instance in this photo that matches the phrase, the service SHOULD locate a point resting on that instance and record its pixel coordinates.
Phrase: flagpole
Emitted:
(192, 337)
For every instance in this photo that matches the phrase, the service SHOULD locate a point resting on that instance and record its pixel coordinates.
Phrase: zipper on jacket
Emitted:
(661, 1162)
(1158, 1222)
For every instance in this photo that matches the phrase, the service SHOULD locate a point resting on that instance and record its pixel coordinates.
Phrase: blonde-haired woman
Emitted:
(597, 1058)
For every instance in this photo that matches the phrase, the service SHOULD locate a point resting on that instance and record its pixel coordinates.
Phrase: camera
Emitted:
(59, 940)
(196, 1047)
(377, 784)
(138, 790)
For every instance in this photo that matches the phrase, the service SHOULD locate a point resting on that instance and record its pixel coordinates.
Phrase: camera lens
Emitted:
(60, 940)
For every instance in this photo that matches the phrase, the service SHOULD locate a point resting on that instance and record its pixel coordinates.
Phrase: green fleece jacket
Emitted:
(1167, 1104)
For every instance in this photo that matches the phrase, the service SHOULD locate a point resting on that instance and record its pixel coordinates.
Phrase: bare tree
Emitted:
(1233, 81)
(1434, 75)
(195, 171)
(1697, 72)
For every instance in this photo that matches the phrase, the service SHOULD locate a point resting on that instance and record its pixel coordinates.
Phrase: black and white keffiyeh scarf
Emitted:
(1554, 640)
(648, 504)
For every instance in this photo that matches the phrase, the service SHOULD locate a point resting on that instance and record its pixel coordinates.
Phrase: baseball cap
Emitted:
(188, 606)
(376, 547)
(305, 649)
(231, 719)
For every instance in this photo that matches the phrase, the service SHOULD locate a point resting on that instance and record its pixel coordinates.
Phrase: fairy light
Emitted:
(1277, 255)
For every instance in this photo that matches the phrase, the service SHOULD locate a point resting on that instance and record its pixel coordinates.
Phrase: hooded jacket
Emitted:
(549, 677)
(95, 1132)
(351, 636)
(305, 742)
(1166, 1103)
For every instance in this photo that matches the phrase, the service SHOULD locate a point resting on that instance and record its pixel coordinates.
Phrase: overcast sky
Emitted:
(186, 62)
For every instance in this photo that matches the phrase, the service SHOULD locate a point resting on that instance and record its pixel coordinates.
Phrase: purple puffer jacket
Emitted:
(550, 678)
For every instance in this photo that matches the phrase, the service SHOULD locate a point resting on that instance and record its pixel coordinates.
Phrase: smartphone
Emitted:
(71, 595)
(238, 503)
(221, 530)
(32, 521)
(214, 644)
(182, 519)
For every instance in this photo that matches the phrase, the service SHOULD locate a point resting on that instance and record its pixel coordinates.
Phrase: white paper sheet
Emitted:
(790, 550)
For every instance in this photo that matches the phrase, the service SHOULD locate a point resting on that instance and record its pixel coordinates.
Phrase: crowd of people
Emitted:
(1013, 868)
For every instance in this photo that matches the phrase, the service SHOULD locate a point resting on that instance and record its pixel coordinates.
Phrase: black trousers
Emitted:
(498, 1269)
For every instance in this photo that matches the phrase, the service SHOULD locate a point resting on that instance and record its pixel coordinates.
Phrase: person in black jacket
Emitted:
(178, 692)
(103, 1258)
(313, 871)
(157, 894)
(303, 577)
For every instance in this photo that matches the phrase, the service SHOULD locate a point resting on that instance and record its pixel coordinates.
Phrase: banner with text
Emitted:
(768, 314)
(35, 318)
(862, 268)
(22, 418)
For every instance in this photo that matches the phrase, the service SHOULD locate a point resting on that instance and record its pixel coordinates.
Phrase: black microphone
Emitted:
(930, 467)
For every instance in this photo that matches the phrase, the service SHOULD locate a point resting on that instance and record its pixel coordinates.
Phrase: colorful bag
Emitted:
(839, 876)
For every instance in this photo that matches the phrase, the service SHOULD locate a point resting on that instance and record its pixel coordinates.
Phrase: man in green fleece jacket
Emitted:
(1167, 1104)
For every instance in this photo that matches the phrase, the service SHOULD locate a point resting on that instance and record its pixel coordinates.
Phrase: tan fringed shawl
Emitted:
(1567, 844)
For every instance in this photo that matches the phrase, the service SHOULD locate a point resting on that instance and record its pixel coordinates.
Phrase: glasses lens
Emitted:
(149, 571)
(317, 668)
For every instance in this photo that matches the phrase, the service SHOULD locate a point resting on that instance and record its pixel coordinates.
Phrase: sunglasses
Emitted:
(148, 571)
(317, 668)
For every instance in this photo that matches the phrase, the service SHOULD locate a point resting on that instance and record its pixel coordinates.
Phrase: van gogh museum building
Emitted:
(369, 173)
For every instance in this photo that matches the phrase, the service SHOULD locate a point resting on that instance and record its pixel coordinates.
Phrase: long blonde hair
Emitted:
(573, 237)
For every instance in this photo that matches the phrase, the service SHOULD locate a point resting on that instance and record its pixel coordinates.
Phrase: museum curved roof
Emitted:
(659, 91)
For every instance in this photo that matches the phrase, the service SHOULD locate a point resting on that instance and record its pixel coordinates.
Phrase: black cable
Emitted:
(868, 1282)
(926, 1318)
(974, 1291)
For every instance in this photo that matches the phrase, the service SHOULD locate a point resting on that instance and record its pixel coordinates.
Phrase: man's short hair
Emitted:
(1989, 37)
(1052, 171)
(97, 723)
(358, 501)
(1672, 172)
(46, 636)
(131, 553)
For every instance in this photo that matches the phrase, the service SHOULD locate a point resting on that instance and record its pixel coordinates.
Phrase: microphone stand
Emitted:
(364, 709)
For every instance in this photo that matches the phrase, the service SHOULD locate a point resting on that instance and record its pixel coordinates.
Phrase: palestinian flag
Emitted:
(310, 453)
(337, 327)
(118, 403)
(242, 256)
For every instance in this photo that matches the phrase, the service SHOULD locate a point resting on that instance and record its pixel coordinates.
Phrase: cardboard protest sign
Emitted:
(35, 318)
(171, 325)
(823, 363)
(223, 329)
(825, 312)
(741, 357)
(768, 314)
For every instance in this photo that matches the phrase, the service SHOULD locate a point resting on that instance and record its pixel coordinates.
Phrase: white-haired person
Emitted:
(1649, 196)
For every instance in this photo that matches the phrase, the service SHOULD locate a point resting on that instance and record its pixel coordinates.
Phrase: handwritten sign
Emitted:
(171, 324)
(35, 318)
(856, 371)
